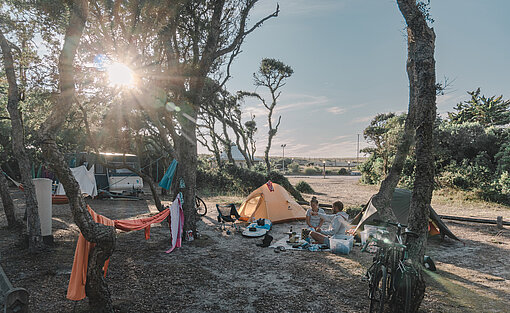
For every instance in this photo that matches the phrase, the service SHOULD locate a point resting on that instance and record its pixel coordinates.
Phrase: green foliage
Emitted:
(461, 141)
(310, 171)
(304, 187)
(239, 180)
(272, 70)
(503, 158)
(472, 152)
(385, 132)
(284, 182)
(490, 111)
(504, 182)
(353, 211)
(293, 167)
(372, 170)
(343, 171)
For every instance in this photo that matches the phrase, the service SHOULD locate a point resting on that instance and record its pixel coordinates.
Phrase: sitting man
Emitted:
(338, 224)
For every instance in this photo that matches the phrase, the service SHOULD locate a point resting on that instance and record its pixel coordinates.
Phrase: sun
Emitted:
(120, 75)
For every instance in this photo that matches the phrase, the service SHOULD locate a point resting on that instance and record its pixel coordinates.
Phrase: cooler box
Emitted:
(341, 244)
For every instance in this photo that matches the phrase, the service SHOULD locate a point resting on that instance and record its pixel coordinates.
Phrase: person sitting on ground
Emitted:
(313, 220)
(338, 224)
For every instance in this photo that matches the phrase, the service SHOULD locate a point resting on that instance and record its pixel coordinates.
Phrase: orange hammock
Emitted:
(76, 288)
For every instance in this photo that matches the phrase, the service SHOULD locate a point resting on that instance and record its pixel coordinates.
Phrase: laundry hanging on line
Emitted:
(78, 279)
(166, 181)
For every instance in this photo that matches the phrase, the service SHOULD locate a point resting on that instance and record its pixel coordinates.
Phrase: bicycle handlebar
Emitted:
(390, 223)
(400, 226)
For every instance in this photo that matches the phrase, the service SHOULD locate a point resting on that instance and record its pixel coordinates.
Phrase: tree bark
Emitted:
(8, 204)
(187, 157)
(422, 79)
(270, 135)
(18, 147)
(382, 200)
(103, 236)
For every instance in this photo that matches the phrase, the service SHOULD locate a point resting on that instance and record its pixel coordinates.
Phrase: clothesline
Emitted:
(78, 279)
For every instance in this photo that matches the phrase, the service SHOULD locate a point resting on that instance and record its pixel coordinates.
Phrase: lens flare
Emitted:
(120, 75)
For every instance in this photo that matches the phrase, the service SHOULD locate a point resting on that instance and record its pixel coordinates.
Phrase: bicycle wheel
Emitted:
(378, 289)
(200, 206)
(402, 297)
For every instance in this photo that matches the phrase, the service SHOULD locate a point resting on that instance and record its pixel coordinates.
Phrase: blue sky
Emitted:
(349, 61)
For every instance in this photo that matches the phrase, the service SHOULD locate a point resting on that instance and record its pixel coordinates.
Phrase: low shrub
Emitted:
(353, 211)
(240, 180)
(293, 167)
(304, 187)
(343, 171)
(310, 171)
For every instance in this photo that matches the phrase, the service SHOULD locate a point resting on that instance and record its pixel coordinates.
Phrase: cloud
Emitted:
(258, 110)
(357, 106)
(304, 101)
(335, 110)
(449, 100)
(362, 119)
(288, 102)
(341, 137)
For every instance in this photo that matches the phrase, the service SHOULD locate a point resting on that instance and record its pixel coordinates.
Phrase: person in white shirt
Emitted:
(314, 221)
(338, 225)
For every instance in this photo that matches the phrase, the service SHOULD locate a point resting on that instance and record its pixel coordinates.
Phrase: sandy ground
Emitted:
(229, 273)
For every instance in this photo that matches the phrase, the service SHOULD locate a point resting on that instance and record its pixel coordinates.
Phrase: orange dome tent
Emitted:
(273, 202)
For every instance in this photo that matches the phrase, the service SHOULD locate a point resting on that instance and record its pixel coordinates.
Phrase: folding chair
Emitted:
(227, 214)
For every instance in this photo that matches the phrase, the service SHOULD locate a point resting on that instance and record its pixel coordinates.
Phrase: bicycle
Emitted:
(200, 206)
(390, 277)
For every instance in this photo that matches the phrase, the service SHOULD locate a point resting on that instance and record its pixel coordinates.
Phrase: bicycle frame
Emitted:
(391, 256)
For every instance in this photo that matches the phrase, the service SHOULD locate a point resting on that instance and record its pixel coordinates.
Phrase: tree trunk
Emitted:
(154, 191)
(243, 149)
(382, 200)
(103, 236)
(18, 147)
(8, 204)
(227, 143)
(187, 157)
(422, 79)
(270, 135)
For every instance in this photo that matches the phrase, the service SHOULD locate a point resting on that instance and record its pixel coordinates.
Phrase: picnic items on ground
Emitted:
(258, 228)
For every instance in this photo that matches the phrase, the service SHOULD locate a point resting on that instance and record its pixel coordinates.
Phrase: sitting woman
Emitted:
(313, 220)
(338, 224)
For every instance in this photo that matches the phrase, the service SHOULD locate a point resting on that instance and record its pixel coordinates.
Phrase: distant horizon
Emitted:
(302, 158)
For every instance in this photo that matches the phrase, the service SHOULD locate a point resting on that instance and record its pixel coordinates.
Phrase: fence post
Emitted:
(499, 221)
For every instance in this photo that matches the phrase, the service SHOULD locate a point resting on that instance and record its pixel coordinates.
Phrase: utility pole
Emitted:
(283, 157)
(357, 153)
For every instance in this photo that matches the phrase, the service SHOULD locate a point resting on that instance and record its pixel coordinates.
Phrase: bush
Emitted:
(343, 171)
(304, 187)
(310, 171)
(240, 180)
(294, 168)
(353, 211)
(284, 182)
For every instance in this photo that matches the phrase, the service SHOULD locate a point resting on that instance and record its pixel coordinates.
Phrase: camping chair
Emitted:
(227, 214)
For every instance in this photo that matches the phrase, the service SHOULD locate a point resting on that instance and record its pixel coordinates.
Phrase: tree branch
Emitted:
(242, 33)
